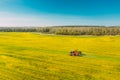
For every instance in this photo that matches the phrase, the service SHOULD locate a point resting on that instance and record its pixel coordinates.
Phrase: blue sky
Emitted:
(59, 12)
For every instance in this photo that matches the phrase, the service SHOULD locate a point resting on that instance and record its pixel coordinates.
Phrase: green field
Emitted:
(34, 56)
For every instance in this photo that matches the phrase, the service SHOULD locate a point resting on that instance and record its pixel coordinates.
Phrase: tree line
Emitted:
(67, 30)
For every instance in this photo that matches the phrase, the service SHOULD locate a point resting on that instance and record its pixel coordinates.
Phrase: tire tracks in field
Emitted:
(101, 57)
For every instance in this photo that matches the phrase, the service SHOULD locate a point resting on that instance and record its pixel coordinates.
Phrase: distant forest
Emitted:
(67, 30)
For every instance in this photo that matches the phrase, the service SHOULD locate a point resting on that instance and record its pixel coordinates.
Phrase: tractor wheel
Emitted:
(71, 54)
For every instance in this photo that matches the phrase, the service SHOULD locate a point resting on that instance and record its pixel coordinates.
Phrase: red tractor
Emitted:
(75, 53)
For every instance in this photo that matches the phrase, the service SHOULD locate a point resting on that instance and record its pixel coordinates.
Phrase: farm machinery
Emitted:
(75, 53)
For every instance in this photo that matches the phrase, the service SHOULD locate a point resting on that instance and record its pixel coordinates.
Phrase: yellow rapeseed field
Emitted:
(35, 56)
